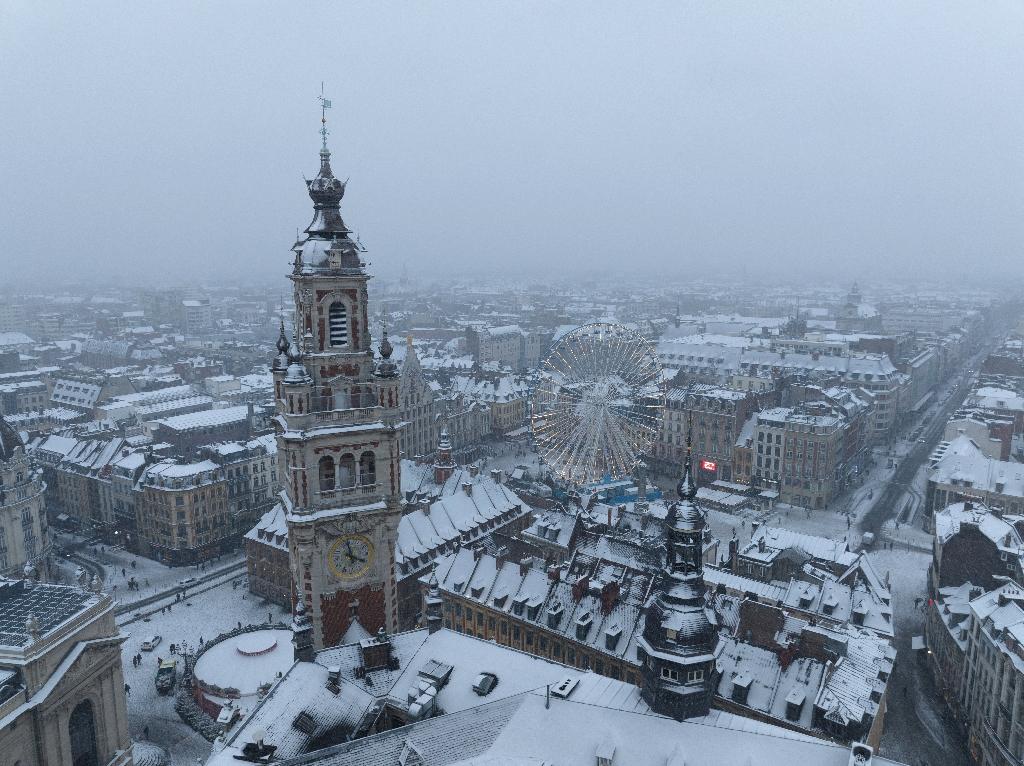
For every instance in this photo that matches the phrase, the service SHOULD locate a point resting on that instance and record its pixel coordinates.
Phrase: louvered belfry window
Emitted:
(338, 316)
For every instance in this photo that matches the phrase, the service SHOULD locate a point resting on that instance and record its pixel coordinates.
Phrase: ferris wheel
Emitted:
(597, 406)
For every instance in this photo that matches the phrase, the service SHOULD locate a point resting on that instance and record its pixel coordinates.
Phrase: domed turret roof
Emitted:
(328, 244)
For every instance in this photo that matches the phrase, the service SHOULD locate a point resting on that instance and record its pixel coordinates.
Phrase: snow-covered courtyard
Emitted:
(202, 616)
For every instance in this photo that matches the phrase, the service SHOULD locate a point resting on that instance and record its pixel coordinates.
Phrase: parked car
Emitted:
(151, 643)
(184, 583)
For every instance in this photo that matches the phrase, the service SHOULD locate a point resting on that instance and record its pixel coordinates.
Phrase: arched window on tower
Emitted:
(82, 733)
(367, 468)
(347, 471)
(327, 474)
(338, 319)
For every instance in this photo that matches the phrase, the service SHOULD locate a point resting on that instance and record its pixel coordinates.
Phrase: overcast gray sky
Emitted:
(142, 139)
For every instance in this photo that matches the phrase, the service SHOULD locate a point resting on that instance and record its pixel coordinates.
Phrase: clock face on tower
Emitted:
(350, 556)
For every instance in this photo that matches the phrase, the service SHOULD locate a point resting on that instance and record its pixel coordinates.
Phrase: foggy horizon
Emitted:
(759, 141)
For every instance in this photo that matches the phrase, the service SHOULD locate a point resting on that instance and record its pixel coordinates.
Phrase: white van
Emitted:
(151, 643)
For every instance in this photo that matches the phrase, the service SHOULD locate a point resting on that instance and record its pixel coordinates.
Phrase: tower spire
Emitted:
(687, 488)
(325, 104)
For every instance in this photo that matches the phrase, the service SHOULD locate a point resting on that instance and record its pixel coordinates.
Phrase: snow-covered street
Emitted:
(201, 616)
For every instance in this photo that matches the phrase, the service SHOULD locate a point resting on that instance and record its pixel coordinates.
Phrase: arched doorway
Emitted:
(82, 732)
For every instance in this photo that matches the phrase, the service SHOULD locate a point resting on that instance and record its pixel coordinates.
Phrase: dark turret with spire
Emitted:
(680, 635)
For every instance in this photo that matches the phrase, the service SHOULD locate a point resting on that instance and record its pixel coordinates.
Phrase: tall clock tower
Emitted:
(337, 432)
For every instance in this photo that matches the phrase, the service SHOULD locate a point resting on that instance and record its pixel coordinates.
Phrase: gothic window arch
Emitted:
(82, 733)
(327, 473)
(347, 471)
(337, 322)
(367, 468)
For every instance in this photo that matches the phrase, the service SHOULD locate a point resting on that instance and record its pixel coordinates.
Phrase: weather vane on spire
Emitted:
(325, 104)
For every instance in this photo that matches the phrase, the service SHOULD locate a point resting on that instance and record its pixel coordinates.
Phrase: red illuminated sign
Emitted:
(708, 465)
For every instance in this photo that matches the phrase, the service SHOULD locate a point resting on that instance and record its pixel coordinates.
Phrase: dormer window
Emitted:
(555, 615)
(583, 623)
(612, 636)
(518, 605)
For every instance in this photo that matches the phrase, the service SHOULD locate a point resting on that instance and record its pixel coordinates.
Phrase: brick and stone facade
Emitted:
(338, 429)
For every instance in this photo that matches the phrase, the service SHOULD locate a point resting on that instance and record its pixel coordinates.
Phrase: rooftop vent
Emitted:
(410, 755)
(485, 683)
(860, 754)
(256, 751)
(564, 688)
(437, 672)
(795, 704)
(604, 754)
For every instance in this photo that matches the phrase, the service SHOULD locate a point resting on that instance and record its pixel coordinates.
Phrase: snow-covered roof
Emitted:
(992, 397)
(14, 339)
(454, 515)
(963, 464)
(272, 529)
(777, 539)
(528, 730)
(999, 530)
(533, 597)
(205, 419)
(707, 352)
(51, 605)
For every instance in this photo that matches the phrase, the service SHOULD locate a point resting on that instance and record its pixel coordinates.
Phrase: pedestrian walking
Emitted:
(145, 732)
(123, 573)
(127, 690)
